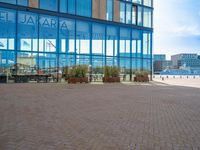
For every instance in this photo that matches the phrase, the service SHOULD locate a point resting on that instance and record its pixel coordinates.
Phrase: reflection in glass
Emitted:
(124, 42)
(27, 31)
(128, 13)
(48, 34)
(52, 5)
(83, 38)
(7, 29)
(67, 35)
(147, 17)
(122, 12)
(98, 39)
(111, 39)
(109, 10)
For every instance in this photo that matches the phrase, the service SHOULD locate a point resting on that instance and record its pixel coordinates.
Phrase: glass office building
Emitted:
(48, 36)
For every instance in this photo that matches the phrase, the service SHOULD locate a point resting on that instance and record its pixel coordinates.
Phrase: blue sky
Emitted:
(176, 26)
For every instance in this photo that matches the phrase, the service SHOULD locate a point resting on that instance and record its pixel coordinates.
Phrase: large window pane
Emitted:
(136, 43)
(82, 60)
(71, 6)
(84, 8)
(48, 34)
(111, 39)
(7, 61)
(125, 66)
(48, 65)
(67, 35)
(50, 5)
(27, 63)
(9, 1)
(82, 38)
(137, 1)
(98, 39)
(147, 65)
(65, 62)
(147, 17)
(139, 16)
(128, 13)
(134, 65)
(111, 61)
(146, 45)
(122, 12)
(148, 2)
(27, 31)
(124, 42)
(109, 12)
(134, 15)
(139, 64)
(22, 2)
(98, 62)
(7, 29)
(63, 6)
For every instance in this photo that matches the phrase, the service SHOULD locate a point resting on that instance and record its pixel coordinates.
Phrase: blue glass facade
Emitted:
(49, 41)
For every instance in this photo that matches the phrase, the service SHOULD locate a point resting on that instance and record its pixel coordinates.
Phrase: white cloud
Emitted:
(186, 30)
(176, 25)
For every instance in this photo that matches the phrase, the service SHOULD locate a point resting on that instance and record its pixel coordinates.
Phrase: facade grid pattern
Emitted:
(40, 41)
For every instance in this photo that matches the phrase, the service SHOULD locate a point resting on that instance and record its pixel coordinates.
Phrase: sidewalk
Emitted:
(121, 116)
(191, 82)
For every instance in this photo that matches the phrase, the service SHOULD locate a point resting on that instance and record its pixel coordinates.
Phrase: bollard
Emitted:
(162, 78)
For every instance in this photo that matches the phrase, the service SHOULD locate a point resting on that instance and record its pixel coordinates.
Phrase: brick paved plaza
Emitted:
(99, 117)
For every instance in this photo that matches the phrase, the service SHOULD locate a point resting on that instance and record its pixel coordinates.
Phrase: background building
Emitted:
(180, 64)
(52, 35)
(185, 60)
(159, 57)
(160, 63)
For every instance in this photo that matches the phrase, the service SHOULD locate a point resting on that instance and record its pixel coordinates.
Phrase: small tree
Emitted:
(111, 71)
(83, 70)
(72, 72)
(78, 71)
(141, 76)
(114, 71)
(107, 72)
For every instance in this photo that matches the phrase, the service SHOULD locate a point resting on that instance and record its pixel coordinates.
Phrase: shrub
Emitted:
(141, 74)
(111, 71)
(78, 71)
(107, 72)
(114, 71)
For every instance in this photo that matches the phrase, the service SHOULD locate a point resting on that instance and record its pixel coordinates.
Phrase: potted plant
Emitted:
(111, 74)
(141, 76)
(77, 74)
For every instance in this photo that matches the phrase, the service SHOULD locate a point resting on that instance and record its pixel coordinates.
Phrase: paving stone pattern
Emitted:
(99, 117)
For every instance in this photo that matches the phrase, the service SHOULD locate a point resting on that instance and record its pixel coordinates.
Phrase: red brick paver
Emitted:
(98, 117)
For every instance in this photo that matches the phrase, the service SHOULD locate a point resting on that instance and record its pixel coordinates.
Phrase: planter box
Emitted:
(3, 79)
(111, 79)
(141, 79)
(77, 80)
